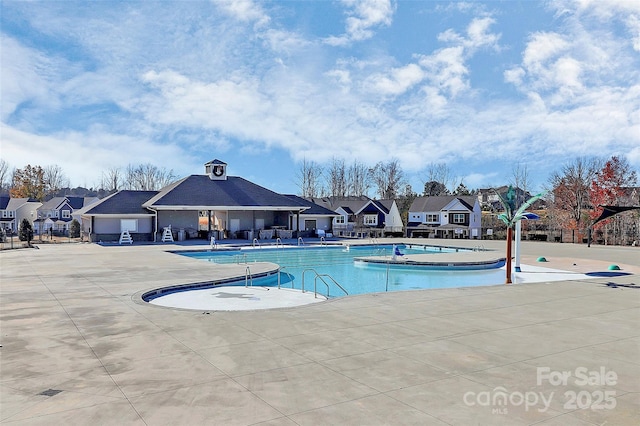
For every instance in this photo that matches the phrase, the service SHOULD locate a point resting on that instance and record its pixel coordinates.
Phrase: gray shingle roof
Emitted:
(437, 203)
(314, 209)
(234, 192)
(121, 203)
(348, 204)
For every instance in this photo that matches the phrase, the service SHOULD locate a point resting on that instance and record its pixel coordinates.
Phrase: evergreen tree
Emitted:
(74, 229)
(25, 233)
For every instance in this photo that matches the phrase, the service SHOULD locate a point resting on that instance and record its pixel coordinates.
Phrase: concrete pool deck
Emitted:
(77, 348)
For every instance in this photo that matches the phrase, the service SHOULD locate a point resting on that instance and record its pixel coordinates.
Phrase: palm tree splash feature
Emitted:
(511, 216)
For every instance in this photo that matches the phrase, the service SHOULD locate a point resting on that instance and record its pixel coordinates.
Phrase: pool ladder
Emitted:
(321, 277)
(380, 252)
(248, 277)
(240, 258)
(282, 271)
(255, 241)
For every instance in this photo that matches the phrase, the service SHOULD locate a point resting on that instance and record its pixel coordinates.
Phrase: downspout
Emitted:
(155, 232)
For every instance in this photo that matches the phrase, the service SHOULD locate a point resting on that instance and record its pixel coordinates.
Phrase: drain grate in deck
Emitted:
(50, 392)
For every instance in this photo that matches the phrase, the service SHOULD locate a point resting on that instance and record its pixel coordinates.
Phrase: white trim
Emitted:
(368, 222)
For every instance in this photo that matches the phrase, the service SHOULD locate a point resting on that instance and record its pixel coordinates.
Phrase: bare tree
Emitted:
(4, 174)
(520, 180)
(358, 182)
(54, 179)
(438, 179)
(112, 179)
(570, 188)
(309, 179)
(147, 177)
(388, 178)
(337, 178)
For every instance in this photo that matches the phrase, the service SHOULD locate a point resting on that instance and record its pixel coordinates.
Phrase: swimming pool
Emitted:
(338, 268)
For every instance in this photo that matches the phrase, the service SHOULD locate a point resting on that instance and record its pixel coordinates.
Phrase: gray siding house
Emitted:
(106, 219)
(196, 206)
(362, 216)
(446, 216)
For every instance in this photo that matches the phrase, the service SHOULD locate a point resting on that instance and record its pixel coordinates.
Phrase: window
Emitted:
(458, 218)
(432, 218)
(371, 219)
(66, 214)
(130, 225)
(339, 220)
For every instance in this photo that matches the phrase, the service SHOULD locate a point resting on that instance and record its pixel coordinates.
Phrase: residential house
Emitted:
(14, 210)
(57, 213)
(489, 200)
(121, 211)
(316, 220)
(447, 216)
(362, 216)
(196, 206)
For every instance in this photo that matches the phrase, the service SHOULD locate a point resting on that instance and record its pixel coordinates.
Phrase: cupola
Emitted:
(216, 170)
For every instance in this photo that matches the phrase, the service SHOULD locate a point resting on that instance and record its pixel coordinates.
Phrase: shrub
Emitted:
(25, 232)
(74, 229)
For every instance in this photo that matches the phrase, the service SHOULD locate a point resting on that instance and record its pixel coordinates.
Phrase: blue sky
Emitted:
(480, 86)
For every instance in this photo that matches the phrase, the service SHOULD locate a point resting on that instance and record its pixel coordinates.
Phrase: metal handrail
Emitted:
(300, 241)
(255, 241)
(380, 252)
(323, 242)
(321, 275)
(333, 280)
(237, 257)
(315, 286)
(279, 242)
(282, 271)
(248, 277)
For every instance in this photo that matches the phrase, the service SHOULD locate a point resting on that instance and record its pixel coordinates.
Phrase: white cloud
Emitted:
(444, 70)
(478, 34)
(26, 76)
(362, 17)
(96, 151)
(541, 48)
(397, 81)
(633, 23)
(244, 10)
(210, 83)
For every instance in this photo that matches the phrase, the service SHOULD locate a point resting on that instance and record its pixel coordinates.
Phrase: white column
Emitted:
(517, 245)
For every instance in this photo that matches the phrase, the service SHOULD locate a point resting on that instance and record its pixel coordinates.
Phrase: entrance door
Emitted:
(234, 225)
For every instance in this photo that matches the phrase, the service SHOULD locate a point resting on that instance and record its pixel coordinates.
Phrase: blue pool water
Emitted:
(355, 278)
